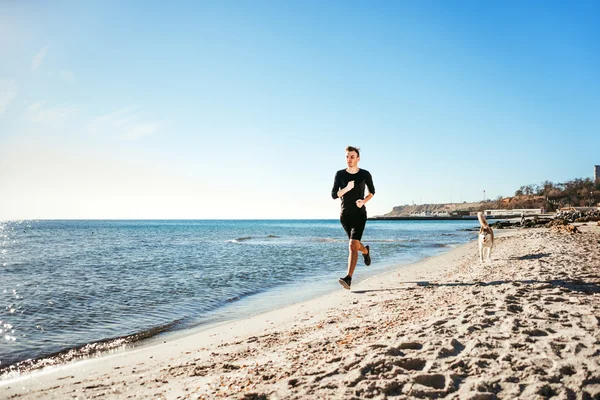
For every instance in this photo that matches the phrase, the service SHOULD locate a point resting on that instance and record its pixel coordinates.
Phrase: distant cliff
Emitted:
(404, 211)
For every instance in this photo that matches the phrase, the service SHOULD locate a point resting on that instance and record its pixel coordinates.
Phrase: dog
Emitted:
(486, 237)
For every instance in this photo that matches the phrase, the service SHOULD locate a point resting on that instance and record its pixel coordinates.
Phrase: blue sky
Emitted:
(243, 109)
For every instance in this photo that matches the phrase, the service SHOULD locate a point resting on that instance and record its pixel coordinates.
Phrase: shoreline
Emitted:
(281, 353)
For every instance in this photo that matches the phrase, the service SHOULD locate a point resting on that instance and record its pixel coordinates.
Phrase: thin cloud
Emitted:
(40, 113)
(8, 92)
(116, 118)
(138, 131)
(39, 58)
(128, 123)
(68, 76)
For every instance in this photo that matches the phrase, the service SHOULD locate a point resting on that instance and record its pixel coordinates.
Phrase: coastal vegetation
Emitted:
(552, 196)
(549, 196)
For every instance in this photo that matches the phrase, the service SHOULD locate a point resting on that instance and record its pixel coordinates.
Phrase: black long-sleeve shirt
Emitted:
(361, 179)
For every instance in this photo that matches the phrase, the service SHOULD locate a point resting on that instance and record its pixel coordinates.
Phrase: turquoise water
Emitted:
(65, 284)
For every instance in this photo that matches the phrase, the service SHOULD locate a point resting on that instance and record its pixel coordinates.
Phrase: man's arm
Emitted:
(360, 203)
(349, 187)
(336, 192)
(371, 187)
(336, 187)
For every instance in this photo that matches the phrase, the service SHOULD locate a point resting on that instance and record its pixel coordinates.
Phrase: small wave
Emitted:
(245, 238)
(436, 245)
(82, 351)
(400, 245)
(242, 295)
(240, 239)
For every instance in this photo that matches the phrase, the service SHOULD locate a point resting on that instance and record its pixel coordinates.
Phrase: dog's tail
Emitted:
(482, 219)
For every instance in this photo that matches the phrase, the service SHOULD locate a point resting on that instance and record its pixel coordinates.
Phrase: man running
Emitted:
(349, 184)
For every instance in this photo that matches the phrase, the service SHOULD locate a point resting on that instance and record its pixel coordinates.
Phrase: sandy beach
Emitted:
(525, 325)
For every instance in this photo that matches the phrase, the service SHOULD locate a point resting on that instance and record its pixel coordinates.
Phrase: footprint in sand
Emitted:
(567, 370)
(411, 346)
(436, 381)
(514, 308)
(412, 364)
(557, 348)
(455, 349)
(395, 352)
(432, 386)
(536, 332)
(393, 388)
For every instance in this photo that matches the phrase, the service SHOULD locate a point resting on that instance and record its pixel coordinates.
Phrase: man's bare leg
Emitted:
(354, 246)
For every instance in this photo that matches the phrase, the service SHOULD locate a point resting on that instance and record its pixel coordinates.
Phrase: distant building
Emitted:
(596, 173)
(515, 212)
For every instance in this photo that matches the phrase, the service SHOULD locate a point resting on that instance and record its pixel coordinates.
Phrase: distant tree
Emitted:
(545, 188)
(584, 192)
(554, 193)
(596, 196)
(529, 190)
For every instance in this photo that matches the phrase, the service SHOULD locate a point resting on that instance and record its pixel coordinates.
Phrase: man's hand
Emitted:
(360, 203)
(349, 187)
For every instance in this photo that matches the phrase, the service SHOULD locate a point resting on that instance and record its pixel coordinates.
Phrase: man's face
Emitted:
(352, 159)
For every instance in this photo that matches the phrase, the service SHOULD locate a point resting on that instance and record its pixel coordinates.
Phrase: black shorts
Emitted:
(354, 224)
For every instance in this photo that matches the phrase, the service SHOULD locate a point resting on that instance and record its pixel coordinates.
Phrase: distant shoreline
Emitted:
(462, 218)
(453, 218)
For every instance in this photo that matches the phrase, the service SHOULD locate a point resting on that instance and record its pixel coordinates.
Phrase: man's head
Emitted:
(352, 156)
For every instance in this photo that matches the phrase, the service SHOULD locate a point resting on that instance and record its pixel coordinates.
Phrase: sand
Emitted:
(524, 325)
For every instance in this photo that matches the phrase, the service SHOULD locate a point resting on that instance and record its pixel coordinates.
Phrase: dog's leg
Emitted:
(480, 252)
(489, 254)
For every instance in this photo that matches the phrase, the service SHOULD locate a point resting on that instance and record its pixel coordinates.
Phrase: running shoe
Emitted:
(346, 282)
(367, 256)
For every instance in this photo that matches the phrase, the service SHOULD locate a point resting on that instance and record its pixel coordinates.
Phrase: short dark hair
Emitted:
(352, 148)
